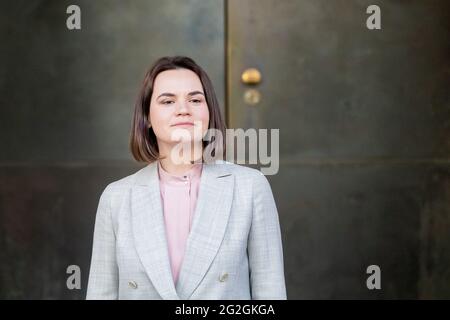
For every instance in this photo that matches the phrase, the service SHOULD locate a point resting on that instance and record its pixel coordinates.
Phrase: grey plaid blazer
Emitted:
(234, 250)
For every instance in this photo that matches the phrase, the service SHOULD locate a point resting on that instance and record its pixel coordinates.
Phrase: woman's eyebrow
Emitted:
(166, 94)
(172, 95)
(195, 92)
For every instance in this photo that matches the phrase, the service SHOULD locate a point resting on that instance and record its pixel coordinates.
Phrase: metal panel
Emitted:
(67, 99)
(364, 119)
(69, 95)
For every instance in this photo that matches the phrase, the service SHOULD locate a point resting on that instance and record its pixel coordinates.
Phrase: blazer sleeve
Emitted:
(265, 251)
(103, 275)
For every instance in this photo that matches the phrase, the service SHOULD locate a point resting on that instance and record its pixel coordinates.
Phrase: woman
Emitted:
(183, 228)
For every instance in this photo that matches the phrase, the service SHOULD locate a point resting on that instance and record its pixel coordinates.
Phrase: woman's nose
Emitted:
(182, 108)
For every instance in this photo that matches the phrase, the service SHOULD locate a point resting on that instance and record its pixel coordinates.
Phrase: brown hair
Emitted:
(143, 144)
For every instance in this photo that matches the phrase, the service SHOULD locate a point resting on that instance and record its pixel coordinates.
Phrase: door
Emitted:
(364, 138)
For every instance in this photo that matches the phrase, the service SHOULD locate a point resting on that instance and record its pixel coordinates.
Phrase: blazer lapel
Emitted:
(208, 228)
(149, 231)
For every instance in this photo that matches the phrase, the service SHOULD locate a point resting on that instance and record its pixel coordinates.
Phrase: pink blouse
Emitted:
(179, 197)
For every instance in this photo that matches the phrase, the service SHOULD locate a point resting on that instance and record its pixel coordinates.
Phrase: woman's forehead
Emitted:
(177, 81)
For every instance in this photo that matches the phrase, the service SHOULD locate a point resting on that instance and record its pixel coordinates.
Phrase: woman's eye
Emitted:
(196, 101)
(167, 102)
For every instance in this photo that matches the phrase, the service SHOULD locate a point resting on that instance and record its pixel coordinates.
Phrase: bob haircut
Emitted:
(143, 143)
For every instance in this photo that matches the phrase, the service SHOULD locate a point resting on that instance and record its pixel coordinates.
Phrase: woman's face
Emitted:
(178, 97)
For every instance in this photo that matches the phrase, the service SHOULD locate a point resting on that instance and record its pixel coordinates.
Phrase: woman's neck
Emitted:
(180, 163)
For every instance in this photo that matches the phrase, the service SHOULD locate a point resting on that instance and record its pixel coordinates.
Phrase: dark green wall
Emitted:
(364, 120)
(66, 100)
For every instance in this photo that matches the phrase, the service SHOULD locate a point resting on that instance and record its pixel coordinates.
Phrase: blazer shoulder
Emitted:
(252, 182)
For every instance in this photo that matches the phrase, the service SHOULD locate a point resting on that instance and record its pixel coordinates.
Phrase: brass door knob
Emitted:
(251, 76)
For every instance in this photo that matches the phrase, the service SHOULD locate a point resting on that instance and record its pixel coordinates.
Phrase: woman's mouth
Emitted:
(183, 124)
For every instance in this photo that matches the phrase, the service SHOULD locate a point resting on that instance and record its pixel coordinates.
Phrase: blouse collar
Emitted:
(193, 173)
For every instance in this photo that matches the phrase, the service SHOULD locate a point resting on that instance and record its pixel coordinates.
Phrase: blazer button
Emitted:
(223, 277)
(133, 284)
